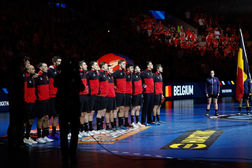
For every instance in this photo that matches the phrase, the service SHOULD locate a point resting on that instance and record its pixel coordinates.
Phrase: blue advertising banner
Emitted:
(4, 102)
(172, 91)
(189, 90)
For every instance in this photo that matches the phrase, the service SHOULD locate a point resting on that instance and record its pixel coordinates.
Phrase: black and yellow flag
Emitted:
(242, 69)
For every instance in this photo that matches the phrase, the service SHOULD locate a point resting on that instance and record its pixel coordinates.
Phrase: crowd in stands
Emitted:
(212, 38)
(42, 33)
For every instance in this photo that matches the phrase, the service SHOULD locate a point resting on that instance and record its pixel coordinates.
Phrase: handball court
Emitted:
(184, 138)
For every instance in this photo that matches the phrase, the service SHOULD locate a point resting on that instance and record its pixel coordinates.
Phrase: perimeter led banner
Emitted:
(195, 90)
(171, 91)
(4, 102)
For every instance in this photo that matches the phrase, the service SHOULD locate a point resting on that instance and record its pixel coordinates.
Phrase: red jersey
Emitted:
(120, 81)
(29, 89)
(93, 82)
(111, 86)
(103, 83)
(128, 83)
(158, 81)
(83, 76)
(42, 85)
(52, 72)
(147, 78)
(137, 84)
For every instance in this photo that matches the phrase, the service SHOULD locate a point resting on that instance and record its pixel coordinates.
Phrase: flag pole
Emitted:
(245, 53)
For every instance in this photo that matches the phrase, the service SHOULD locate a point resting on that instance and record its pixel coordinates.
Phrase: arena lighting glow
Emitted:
(158, 14)
(58, 5)
(63, 5)
(5, 90)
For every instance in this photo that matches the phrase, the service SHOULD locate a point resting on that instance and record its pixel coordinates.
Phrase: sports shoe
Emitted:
(157, 123)
(84, 134)
(140, 125)
(95, 132)
(135, 125)
(27, 141)
(103, 131)
(90, 133)
(239, 113)
(80, 135)
(32, 141)
(48, 139)
(121, 131)
(41, 140)
(148, 124)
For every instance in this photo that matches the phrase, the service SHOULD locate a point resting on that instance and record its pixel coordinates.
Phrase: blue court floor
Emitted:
(180, 116)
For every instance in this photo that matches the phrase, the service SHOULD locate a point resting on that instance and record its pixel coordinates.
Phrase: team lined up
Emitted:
(112, 94)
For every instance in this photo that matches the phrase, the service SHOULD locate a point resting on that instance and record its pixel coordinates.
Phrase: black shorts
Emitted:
(137, 100)
(120, 99)
(43, 108)
(30, 112)
(158, 99)
(245, 96)
(111, 103)
(128, 100)
(84, 106)
(101, 103)
(92, 103)
(52, 106)
(215, 96)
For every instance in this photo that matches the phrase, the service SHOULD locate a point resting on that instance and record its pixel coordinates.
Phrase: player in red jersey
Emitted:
(93, 85)
(128, 95)
(102, 96)
(83, 100)
(148, 93)
(42, 88)
(137, 98)
(111, 103)
(52, 73)
(29, 103)
(120, 89)
(158, 93)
